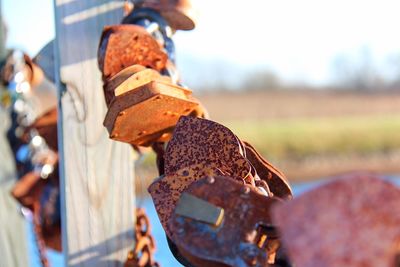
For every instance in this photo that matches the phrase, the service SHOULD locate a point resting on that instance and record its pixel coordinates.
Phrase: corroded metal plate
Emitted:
(200, 141)
(275, 179)
(122, 46)
(179, 14)
(352, 221)
(40, 196)
(46, 126)
(166, 190)
(242, 237)
(144, 114)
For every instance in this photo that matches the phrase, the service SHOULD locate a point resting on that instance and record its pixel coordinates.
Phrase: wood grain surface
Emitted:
(98, 196)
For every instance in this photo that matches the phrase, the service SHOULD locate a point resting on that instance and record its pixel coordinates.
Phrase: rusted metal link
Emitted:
(37, 228)
(33, 105)
(201, 211)
(352, 220)
(243, 237)
(142, 254)
(178, 13)
(122, 46)
(143, 105)
(141, 86)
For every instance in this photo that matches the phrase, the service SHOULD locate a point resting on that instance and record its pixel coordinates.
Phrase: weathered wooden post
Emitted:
(13, 247)
(97, 173)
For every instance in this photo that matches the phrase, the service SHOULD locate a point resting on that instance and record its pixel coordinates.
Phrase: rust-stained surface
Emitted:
(200, 141)
(200, 149)
(46, 126)
(143, 253)
(34, 132)
(275, 179)
(178, 13)
(41, 197)
(247, 244)
(144, 114)
(167, 189)
(113, 82)
(144, 105)
(351, 221)
(38, 194)
(130, 78)
(122, 46)
(146, 108)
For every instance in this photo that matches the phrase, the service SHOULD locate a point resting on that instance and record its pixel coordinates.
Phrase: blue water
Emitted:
(163, 255)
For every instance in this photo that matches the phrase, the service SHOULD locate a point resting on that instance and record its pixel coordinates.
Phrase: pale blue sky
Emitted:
(296, 39)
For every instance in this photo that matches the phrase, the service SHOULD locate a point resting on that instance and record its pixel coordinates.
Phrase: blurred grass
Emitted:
(312, 134)
(294, 139)
(311, 148)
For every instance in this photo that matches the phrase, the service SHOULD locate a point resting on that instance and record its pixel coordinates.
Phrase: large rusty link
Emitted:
(40, 242)
(142, 254)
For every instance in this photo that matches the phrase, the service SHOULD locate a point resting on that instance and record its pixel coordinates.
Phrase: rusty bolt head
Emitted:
(210, 180)
(245, 190)
(142, 133)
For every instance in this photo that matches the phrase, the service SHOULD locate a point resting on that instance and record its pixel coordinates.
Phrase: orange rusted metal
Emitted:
(35, 129)
(201, 148)
(148, 113)
(40, 196)
(46, 126)
(351, 221)
(166, 190)
(122, 46)
(179, 14)
(245, 237)
(143, 105)
(198, 150)
(275, 179)
(194, 153)
(8, 70)
(200, 141)
(143, 253)
(38, 190)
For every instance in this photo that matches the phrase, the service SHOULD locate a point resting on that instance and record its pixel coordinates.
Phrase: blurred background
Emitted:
(313, 85)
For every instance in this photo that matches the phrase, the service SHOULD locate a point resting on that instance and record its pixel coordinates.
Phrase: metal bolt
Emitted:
(130, 255)
(210, 180)
(245, 190)
(141, 133)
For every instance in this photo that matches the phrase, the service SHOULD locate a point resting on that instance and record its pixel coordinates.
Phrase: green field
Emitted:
(294, 139)
(312, 148)
(312, 134)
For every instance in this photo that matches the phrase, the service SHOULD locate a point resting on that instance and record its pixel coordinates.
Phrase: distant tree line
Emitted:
(361, 71)
(357, 70)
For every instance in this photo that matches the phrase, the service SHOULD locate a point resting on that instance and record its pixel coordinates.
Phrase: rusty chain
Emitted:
(142, 254)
